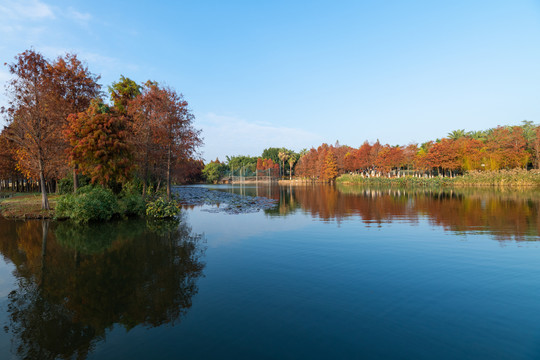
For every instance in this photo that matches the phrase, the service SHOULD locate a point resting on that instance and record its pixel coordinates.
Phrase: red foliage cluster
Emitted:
(99, 145)
(503, 148)
(265, 164)
(267, 167)
(324, 163)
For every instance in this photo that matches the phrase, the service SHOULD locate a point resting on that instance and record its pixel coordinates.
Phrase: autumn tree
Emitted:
(177, 136)
(390, 157)
(330, 168)
(163, 132)
(146, 111)
(268, 165)
(99, 145)
(445, 155)
(33, 114)
(8, 161)
(409, 153)
(75, 87)
(471, 153)
(421, 160)
(506, 148)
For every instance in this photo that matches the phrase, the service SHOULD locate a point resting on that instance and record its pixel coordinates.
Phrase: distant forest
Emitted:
(502, 147)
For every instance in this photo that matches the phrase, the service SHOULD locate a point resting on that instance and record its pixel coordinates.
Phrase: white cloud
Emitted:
(80, 17)
(228, 135)
(25, 9)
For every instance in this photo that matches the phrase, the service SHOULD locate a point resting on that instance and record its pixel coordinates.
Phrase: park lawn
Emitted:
(26, 206)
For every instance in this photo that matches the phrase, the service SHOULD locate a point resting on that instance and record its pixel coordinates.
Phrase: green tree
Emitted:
(292, 161)
(213, 171)
(456, 134)
(271, 153)
(243, 162)
(283, 156)
(122, 92)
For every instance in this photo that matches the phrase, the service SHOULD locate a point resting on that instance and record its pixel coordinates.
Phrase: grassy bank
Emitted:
(474, 178)
(26, 206)
(90, 204)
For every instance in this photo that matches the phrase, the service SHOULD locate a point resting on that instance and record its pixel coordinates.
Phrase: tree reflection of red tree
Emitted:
(505, 215)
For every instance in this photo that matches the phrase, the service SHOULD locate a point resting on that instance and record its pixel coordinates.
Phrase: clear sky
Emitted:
(299, 73)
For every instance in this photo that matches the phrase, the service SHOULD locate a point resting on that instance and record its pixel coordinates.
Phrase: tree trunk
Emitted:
(145, 175)
(44, 199)
(75, 180)
(290, 171)
(169, 174)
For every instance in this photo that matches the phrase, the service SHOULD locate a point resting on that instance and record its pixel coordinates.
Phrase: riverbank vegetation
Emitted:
(515, 177)
(497, 156)
(478, 152)
(272, 164)
(61, 126)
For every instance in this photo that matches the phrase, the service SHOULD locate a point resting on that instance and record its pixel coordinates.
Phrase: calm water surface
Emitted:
(330, 272)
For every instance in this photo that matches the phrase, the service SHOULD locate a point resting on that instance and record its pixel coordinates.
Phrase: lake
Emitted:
(329, 272)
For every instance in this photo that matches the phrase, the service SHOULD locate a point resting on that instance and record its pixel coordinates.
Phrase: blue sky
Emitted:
(299, 73)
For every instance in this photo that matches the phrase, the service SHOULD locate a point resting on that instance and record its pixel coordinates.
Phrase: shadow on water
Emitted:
(75, 282)
(506, 214)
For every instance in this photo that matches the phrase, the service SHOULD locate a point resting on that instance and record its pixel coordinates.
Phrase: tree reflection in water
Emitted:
(506, 214)
(77, 282)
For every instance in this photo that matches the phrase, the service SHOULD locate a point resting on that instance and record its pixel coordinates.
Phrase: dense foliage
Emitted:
(162, 208)
(88, 204)
(59, 125)
(100, 146)
(213, 171)
(501, 148)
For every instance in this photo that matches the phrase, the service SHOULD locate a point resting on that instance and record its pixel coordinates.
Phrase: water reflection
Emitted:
(76, 282)
(504, 213)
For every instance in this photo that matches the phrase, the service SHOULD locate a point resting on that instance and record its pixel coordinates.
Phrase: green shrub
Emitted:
(161, 208)
(65, 185)
(133, 186)
(89, 204)
(132, 205)
(130, 200)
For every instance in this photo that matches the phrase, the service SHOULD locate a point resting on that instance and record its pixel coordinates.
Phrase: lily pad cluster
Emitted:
(222, 201)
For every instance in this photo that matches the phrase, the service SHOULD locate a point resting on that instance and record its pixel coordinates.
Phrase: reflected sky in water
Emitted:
(331, 272)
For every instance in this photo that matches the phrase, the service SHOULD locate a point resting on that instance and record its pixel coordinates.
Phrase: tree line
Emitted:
(273, 162)
(502, 147)
(59, 122)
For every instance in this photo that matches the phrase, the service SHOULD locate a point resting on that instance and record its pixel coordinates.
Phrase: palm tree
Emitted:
(477, 135)
(292, 160)
(283, 156)
(456, 134)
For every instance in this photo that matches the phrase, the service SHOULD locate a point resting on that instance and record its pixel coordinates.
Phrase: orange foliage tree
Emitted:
(33, 114)
(100, 146)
